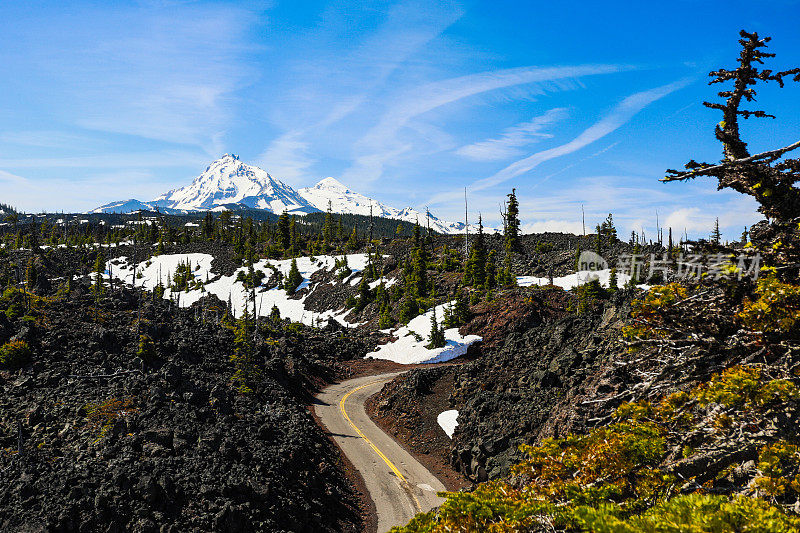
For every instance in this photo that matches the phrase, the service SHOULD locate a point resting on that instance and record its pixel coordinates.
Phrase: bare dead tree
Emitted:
(765, 176)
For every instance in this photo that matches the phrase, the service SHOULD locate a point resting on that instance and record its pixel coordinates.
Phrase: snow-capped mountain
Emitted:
(341, 199)
(228, 183)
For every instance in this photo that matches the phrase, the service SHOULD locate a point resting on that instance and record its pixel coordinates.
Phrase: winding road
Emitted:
(398, 484)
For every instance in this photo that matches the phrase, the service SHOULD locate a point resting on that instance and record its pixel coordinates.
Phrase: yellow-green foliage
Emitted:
(15, 354)
(615, 463)
(778, 464)
(694, 513)
(147, 349)
(649, 310)
(100, 416)
(776, 310)
(742, 386)
(610, 481)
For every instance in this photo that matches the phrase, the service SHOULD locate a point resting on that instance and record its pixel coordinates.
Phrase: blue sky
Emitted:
(409, 102)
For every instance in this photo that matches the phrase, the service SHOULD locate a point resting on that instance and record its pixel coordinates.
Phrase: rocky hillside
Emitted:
(121, 413)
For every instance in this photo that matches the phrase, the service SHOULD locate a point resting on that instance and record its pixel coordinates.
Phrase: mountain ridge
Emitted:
(229, 181)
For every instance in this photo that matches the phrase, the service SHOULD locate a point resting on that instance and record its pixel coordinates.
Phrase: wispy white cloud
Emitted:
(12, 178)
(168, 75)
(552, 225)
(508, 143)
(380, 145)
(287, 158)
(331, 89)
(162, 159)
(619, 116)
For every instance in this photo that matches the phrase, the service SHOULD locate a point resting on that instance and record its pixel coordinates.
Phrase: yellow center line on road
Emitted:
(380, 453)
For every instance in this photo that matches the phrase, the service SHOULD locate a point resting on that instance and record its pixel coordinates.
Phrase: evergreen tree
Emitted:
(327, 228)
(612, 280)
(385, 320)
(364, 294)
(284, 231)
(246, 372)
(598, 242)
(475, 268)
(436, 338)
(207, 227)
(608, 231)
(716, 236)
(293, 280)
(275, 314)
(31, 274)
(352, 242)
(491, 271)
(294, 243)
(457, 313)
(99, 269)
(512, 222)
(420, 272)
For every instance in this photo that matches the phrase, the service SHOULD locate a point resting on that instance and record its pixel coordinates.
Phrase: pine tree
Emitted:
(275, 314)
(364, 294)
(293, 280)
(420, 272)
(436, 338)
(327, 228)
(768, 177)
(385, 320)
(612, 280)
(99, 270)
(31, 274)
(491, 271)
(512, 222)
(246, 372)
(352, 242)
(475, 268)
(294, 243)
(283, 231)
(716, 236)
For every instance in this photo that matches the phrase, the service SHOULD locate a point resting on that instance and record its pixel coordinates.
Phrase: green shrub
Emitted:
(694, 513)
(15, 354)
(147, 349)
(777, 308)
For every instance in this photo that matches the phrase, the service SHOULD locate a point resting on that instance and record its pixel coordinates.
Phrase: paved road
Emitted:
(398, 484)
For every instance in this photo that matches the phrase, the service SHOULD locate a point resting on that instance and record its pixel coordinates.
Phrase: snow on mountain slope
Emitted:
(124, 206)
(160, 268)
(341, 199)
(229, 181)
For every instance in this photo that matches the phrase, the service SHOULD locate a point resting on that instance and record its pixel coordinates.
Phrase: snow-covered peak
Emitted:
(228, 181)
(332, 184)
(331, 192)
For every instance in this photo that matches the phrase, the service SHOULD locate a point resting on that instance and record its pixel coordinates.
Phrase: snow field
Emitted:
(409, 350)
(570, 281)
(162, 267)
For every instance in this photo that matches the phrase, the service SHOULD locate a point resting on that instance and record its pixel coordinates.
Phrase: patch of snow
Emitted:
(570, 281)
(386, 283)
(162, 267)
(407, 350)
(448, 420)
